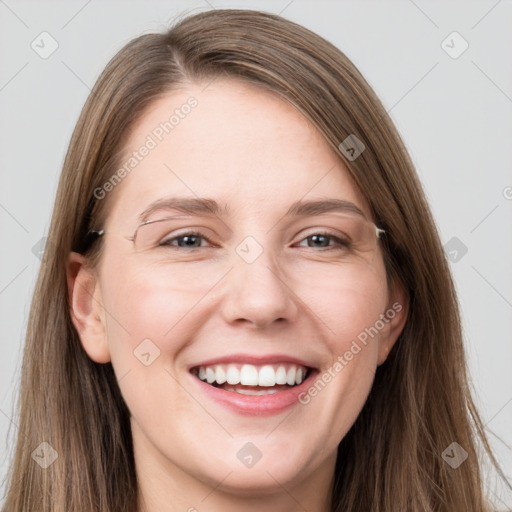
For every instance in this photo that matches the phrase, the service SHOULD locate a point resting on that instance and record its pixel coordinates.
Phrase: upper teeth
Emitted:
(251, 375)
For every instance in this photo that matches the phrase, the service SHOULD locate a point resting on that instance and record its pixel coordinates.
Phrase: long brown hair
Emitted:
(420, 403)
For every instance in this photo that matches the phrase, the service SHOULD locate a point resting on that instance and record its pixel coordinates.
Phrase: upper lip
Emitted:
(253, 359)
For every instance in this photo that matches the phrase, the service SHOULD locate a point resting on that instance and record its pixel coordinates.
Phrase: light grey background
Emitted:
(455, 115)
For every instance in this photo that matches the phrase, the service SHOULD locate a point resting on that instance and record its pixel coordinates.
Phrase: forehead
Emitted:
(244, 146)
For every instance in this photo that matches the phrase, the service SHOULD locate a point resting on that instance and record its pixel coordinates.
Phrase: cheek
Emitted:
(148, 323)
(349, 306)
(347, 301)
(139, 306)
(350, 313)
(148, 299)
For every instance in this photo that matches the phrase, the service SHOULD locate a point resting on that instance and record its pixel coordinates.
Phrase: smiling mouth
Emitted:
(249, 379)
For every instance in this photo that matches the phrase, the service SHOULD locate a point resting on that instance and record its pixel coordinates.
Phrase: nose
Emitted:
(257, 294)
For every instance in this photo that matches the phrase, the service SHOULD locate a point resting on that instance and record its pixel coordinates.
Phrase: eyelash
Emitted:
(341, 244)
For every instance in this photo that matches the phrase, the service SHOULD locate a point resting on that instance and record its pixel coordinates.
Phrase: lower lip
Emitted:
(256, 405)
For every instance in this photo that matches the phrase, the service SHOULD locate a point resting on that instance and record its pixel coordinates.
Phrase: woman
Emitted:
(244, 303)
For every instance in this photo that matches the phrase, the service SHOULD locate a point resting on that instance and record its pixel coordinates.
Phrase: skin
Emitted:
(254, 152)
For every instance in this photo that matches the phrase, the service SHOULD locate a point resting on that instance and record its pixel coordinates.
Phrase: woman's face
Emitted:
(253, 294)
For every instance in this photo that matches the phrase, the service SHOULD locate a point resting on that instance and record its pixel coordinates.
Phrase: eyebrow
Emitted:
(317, 207)
(187, 205)
(206, 206)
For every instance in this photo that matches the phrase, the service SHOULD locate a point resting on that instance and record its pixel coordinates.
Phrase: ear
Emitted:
(86, 308)
(395, 318)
